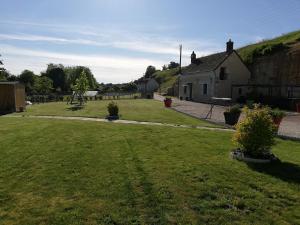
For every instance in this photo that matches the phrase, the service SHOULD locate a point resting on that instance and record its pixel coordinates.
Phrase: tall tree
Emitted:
(150, 71)
(3, 73)
(57, 74)
(27, 77)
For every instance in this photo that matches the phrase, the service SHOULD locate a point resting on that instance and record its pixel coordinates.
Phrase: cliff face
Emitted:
(281, 68)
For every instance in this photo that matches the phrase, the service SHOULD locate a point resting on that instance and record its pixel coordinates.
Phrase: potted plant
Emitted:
(168, 102)
(232, 115)
(113, 111)
(277, 116)
(255, 135)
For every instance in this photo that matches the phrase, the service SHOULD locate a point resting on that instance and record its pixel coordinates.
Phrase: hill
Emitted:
(248, 54)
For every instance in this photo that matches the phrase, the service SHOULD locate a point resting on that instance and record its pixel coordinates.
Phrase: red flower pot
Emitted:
(277, 121)
(298, 107)
(168, 102)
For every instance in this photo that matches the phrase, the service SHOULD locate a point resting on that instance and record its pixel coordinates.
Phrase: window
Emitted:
(184, 89)
(240, 91)
(204, 89)
(222, 73)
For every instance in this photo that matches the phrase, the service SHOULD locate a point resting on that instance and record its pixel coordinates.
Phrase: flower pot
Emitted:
(298, 107)
(277, 120)
(168, 102)
(231, 118)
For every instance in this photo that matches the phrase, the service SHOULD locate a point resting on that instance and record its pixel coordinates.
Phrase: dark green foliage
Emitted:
(234, 109)
(173, 65)
(113, 109)
(27, 77)
(57, 74)
(277, 113)
(150, 71)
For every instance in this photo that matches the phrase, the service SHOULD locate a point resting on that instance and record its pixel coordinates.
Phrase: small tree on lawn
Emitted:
(80, 88)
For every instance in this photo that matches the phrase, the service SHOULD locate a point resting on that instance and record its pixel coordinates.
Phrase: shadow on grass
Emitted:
(283, 170)
(75, 108)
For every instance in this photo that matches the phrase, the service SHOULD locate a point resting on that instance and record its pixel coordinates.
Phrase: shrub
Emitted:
(234, 109)
(255, 134)
(113, 109)
(277, 113)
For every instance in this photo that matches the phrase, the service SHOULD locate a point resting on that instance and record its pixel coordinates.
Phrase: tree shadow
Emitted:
(283, 170)
(75, 108)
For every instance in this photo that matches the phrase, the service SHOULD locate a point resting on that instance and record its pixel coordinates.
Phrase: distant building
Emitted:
(12, 97)
(213, 76)
(147, 86)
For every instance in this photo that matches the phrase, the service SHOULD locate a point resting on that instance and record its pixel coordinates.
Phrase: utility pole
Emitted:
(180, 50)
(180, 53)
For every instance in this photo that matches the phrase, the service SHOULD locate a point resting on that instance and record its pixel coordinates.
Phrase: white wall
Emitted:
(237, 74)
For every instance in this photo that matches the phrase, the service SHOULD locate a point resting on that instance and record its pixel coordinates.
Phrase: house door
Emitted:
(190, 91)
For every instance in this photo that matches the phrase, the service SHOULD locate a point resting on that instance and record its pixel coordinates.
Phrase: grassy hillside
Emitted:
(167, 77)
(248, 54)
(267, 47)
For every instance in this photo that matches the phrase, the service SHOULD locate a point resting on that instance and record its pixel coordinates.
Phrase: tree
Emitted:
(150, 71)
(74, 72)
(27, 77)
(3, 73)
(164, 67)
(173, 65)
(129, 87)
(80, 88)
(43, 85)
(57, 74)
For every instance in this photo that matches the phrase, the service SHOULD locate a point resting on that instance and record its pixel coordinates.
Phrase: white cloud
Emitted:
(156, 49)
(105, 68)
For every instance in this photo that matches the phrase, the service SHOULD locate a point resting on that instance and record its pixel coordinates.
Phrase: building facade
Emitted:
(214, 76)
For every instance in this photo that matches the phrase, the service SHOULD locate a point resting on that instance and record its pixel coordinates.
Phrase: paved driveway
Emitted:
(290, 126)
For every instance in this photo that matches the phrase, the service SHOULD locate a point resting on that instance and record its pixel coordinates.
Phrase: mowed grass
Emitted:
(78, 172)
(139, 110)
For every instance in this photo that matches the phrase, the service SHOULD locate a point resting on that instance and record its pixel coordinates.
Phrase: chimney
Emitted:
(229, 46)
(193, 57)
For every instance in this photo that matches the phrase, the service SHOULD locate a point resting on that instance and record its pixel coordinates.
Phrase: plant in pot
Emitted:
(113, 111)
(277, 116)
(168, 102)
(255, 135)
(232, 115)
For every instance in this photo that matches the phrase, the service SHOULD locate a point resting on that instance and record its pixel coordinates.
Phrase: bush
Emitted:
(113, 109)
(255, 134)
(234, 109)
(277, 113)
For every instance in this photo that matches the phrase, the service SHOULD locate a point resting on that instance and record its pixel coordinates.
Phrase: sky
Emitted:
(118, 39)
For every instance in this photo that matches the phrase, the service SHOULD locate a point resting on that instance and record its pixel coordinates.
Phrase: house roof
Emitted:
(206, 63)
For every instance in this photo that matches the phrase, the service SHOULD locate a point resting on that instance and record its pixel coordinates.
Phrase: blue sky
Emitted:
(117, 39)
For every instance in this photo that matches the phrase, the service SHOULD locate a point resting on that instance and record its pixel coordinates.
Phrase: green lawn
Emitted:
(139, 110)
(77, 172)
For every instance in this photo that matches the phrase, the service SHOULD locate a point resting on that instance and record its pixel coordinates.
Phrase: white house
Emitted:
(214, 76)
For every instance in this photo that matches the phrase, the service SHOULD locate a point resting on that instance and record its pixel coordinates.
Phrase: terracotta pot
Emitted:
(277, 120)
(168, 102)
(298, 107)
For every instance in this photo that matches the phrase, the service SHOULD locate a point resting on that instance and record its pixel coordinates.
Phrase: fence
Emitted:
(67, 98)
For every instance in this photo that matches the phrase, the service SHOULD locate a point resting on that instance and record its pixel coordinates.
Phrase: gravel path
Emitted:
(289, 127)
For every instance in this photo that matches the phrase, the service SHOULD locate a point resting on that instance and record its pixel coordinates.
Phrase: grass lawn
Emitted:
(139, 110)
(76, 172)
